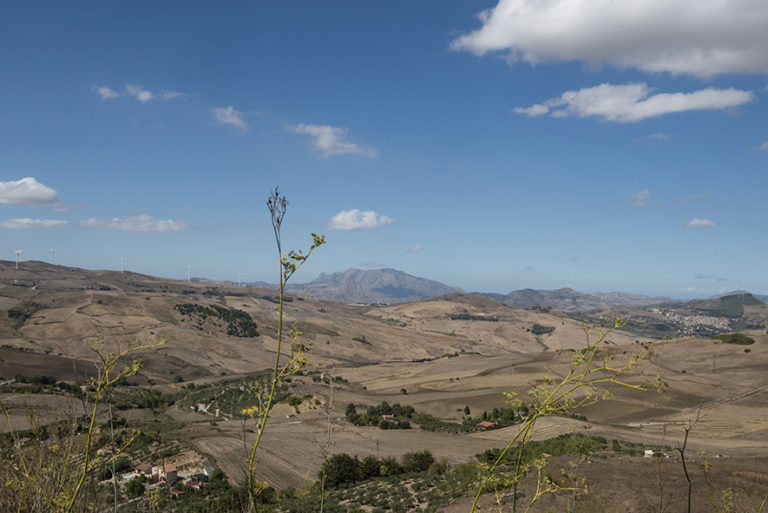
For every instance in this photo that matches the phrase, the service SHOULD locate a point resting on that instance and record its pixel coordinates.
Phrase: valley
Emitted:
(452, 357)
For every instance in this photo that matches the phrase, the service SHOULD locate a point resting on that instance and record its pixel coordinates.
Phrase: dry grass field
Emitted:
(438, 355)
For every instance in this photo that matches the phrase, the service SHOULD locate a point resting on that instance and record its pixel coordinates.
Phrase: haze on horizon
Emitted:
(463, 145)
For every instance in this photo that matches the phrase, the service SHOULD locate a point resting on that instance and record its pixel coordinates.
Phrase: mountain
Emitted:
(569, 300)
(372, 286)
(760, 297)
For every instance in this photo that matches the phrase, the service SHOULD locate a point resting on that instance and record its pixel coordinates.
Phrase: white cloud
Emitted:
(140, 223)
(700, 222)
(330, 141)
(354, 219)
(229, 116)
(699, 37)
(140, 93)
(26, 222)
(106, 93)
(633, 102)
(27, 191)
(638, 199)
(764, 146)
(414, 249)
(170, 95)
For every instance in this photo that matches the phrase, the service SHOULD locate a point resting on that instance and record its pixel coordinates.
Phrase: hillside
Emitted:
(569, 300)
(57, 310)
(442, 356)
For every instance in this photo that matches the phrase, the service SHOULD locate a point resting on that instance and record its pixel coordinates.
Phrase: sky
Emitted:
(490, 145)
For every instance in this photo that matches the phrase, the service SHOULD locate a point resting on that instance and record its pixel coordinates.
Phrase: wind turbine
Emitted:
(53, 256)
(18, 254)
(122, 265)
(189, 272)
(239, 279)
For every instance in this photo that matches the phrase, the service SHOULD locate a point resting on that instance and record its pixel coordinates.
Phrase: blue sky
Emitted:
(489, 145)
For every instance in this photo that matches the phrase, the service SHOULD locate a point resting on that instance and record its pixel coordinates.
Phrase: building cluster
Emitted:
(156, 473)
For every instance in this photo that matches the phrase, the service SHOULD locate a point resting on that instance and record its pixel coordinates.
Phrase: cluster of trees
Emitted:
(466, 316)
(573, 443)
(143, 398)
(505, 416)
(735, 338)
(385, 416)
(397, 416)
(239, 323)
(540, 329)
(341, 469)
(22, 312)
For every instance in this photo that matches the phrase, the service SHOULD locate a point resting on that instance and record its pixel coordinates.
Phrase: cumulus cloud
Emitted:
(354, 219)
(680, 37)
(414, 249)
(139, 92)
(27, 191)
(141, 223)
(700, 222)
(26, 222)
(629, 103)
(638, 199)
(106, 93)
(229, 116)
(330, 140)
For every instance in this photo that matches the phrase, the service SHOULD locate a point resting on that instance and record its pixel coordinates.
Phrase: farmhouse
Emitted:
(165, 473)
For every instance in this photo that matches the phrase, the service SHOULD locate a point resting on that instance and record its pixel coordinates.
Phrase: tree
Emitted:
(390, 467)
(370, 467)
(341, 468)
(134, 488)
(417, 461)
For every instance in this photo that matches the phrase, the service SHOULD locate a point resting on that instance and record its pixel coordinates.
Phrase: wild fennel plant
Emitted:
(289, 263)
(590, 369)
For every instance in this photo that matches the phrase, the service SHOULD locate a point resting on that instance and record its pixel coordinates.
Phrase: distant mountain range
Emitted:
(393, 286)
(362, 286)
